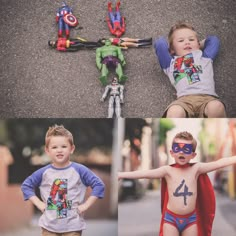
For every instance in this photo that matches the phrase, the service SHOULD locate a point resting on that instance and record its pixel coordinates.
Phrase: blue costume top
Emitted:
(62, 190)
(193, 73)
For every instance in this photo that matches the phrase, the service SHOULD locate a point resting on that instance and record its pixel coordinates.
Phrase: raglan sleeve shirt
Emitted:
(194, 75)
(63, 190)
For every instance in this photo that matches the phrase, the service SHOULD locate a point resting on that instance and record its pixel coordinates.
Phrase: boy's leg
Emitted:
(215, 109)
(169, 229)
(190, 231)
(77, 233)
(176, 111)
(49, 233)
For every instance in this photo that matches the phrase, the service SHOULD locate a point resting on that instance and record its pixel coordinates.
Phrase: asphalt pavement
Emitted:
(36, 81)
(94, 227)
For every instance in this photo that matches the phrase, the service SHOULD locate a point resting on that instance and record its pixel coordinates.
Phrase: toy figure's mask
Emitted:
(186, 148)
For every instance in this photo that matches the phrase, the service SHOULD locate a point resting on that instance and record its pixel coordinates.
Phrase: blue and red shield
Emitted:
(71, 20)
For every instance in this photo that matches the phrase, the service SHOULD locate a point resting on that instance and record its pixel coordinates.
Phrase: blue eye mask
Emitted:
(184, 147)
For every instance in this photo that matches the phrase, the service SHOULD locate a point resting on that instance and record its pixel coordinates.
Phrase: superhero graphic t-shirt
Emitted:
(193, 73)
(62, 190)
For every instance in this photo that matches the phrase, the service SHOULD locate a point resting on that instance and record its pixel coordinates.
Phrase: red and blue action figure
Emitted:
(65, 20)
(72, 45)
(116, 23)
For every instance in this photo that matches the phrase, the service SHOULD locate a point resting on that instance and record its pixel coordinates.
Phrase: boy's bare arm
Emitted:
(144, 174)
(86, 205)
(38, 203)
(214, 165)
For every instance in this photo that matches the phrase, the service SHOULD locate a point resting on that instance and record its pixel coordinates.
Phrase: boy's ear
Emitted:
(171, 152)
(194, 154)
(46, 149)
(72, 149)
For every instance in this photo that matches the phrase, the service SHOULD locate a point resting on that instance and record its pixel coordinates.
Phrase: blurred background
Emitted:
(22, 153)
(147, 147)
(106, 146)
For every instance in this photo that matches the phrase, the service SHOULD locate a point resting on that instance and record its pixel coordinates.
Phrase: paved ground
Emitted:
(94, 227)
(39, 82)
(141, 217)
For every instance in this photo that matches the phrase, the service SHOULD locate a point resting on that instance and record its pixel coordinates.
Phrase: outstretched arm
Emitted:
(214, 165)
(144, 174)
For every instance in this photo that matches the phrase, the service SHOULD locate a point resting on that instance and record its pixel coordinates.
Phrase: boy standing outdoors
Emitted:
(62, 186)
(190, 71)
(188, 202)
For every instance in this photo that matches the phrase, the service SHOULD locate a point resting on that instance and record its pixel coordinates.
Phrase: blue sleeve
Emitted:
(89, 179)
(32, 182)
(211, 47)
(162, 51)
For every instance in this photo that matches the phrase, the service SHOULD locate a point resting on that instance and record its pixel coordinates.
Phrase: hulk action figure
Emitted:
(107, 56)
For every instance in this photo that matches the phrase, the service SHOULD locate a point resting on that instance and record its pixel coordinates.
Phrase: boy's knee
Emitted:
(215, 109)
(176, 111)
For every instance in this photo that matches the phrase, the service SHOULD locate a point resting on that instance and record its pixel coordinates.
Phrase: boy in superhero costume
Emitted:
(188, 201)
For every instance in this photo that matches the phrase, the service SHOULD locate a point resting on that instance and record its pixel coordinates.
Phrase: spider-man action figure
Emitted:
(65, 19)
(115, 22)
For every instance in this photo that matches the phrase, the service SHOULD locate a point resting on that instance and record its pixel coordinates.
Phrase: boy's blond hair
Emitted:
(177, 26)
(186, 136)
(58, 130)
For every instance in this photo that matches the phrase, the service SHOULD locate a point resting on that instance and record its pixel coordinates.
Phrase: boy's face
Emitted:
(59, 149)
(182, 151)
(184, 41)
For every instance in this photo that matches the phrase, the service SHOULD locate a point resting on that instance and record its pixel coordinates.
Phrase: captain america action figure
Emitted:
(65, 20)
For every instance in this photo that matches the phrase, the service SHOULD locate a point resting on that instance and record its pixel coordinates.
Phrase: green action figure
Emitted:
(108, 56)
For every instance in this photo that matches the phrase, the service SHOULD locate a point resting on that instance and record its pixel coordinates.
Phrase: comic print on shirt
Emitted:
(58, 198)
(184, 67)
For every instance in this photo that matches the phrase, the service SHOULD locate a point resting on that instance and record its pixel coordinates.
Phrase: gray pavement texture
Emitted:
(94, 227)
(39, 82)
(142, 217)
